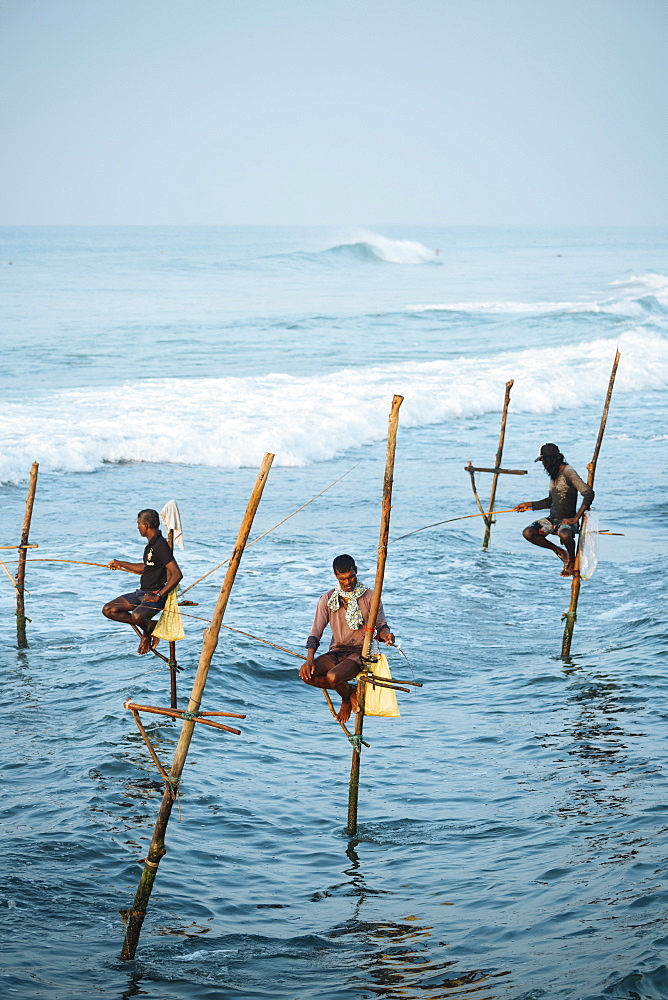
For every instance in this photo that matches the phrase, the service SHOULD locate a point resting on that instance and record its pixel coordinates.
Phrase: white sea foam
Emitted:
(373, 246)
(399, 251)
(642, 284)
(505, 308)
(232, 422)
(633, 297)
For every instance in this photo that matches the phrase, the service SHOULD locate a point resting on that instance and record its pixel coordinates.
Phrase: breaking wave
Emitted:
(372, 248)
(635, 298)
(231, 422)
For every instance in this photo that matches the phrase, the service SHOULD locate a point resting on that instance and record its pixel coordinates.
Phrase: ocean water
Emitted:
(513, 823)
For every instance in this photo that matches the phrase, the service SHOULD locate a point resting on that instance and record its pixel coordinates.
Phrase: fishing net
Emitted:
(169, 625)
(588, 545)
(380, 700)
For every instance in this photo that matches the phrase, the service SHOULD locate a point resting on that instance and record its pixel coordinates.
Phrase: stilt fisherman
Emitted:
(563, 519)
(346, 610)
(159, 575)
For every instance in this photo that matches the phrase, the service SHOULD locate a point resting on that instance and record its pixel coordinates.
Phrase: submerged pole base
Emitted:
(570, 618)
(488, 533)
(353, 792)
(133, 917)
(21, 634)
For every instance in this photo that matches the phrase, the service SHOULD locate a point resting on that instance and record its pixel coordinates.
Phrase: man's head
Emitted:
(148, 522)
(345, 572)
(551, 458)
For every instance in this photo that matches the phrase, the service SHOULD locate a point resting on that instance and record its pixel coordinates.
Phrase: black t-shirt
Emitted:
(156, 556)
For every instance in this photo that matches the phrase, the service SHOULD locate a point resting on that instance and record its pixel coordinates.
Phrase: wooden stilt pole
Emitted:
(570, 616)
(488, 515)
(370, 627)
(173, 665)
(134, 917)
(497, 465)
(21, 637)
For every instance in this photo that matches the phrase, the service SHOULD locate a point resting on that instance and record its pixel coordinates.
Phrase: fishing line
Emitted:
(493, 513)
(450, 519)
(272, 529)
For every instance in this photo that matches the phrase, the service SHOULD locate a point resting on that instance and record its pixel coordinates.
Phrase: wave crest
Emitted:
(232, 422)
(370, 248)
(636, 298)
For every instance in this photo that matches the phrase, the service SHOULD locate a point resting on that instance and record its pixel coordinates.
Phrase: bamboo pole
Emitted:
(135, 916)
(180, 714)
(497, 465)
(21, 637)
(151, 750)
(173, 665)
(369, 629)
(570, 616)
(12, 579)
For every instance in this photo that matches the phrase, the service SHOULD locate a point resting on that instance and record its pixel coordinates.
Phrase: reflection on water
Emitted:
(399, 956)
(132, 788)
(595, 741)
(134, 989)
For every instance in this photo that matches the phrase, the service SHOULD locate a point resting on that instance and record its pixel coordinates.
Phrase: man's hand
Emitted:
(569, 520)
(150, 599)
(307, 669)
(521, 507)
(114, 564)
(388, 639)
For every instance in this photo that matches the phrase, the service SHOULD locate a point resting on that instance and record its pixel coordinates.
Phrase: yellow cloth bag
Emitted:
(381, 700)
(169, 625)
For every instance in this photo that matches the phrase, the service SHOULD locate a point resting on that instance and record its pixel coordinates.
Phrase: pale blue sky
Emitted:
(333, 111)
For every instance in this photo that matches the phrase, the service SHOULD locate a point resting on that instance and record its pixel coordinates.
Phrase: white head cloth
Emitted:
(354, 616)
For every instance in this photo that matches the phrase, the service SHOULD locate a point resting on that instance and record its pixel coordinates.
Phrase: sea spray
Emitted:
(231, 422)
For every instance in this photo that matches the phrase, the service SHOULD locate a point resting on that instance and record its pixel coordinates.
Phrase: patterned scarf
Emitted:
(354, 616)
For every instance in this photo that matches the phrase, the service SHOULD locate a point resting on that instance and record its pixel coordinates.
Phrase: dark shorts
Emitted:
(135, 599)
(547, 527)
(344, 652)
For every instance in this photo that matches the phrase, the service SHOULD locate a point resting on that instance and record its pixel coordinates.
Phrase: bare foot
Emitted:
(348, 705)
(344, 712)
(147, 643)
(569, 568)
(564, 558)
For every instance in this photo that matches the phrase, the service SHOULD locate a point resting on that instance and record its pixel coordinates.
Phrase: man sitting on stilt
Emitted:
(563, 519)
(159, 575)
(346, 610)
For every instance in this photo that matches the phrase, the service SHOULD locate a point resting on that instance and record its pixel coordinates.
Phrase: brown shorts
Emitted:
(340, 653)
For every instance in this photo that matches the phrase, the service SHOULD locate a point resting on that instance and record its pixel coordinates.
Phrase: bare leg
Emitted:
(120, 610)
(335, 676)
(148, 640)
(569, 542)
(534, 536)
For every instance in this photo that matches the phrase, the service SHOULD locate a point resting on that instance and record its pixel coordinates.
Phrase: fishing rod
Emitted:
(290, 652)
(82, 562)
(450, 519)
(511, 510)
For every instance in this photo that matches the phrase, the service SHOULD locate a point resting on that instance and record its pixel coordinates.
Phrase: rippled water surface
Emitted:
(513, 826)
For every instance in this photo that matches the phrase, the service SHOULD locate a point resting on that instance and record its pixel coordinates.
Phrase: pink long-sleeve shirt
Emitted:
(342, 634)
